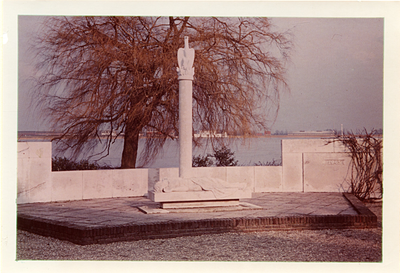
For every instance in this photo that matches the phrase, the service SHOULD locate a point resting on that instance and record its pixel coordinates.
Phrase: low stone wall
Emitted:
(34, 172)
(312, 165)
(77, 185)
(308, 165)
(37, 183)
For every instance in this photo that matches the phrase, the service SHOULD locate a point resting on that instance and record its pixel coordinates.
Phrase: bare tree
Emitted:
(119, 74)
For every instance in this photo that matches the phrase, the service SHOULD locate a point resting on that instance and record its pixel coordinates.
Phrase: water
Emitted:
(248, 152)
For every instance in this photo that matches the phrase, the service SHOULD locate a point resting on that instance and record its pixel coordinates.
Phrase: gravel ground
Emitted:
(347, 245)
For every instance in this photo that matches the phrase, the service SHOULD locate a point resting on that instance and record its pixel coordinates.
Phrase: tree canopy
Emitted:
(119, 74)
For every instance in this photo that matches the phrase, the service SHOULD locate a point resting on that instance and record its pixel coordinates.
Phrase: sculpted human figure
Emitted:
(185, 60)
(218, 187)
(176, 184)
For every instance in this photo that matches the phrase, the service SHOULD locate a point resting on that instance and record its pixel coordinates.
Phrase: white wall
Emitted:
(313, 165)
(34, 172)
(37, 183)
(308, 165)
(76, 185)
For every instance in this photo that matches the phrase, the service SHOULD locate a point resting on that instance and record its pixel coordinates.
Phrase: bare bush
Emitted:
(365, 170)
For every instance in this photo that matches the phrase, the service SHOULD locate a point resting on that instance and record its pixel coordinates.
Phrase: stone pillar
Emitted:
(185, 128)
(185, 77)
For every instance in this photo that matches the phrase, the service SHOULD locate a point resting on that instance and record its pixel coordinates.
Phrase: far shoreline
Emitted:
(50, 138)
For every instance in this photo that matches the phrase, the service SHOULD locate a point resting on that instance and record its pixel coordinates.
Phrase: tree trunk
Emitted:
(131, 145)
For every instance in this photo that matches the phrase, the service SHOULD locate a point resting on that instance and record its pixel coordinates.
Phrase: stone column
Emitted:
(185, 77)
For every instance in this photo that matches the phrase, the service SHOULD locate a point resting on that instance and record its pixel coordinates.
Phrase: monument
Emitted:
(186, 191)
(185, 77)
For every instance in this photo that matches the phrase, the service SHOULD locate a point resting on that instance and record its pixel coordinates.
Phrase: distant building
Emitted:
(312, 133)
(40, 134)
(210, 134)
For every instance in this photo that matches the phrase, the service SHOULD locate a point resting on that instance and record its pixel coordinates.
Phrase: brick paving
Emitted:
(120, 219)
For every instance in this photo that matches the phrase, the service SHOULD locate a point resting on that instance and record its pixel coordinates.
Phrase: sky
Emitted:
(335, 74)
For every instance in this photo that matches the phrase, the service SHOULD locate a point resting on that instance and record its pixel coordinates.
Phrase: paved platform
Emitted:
(121, 219)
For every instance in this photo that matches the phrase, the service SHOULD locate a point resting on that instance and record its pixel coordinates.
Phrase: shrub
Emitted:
(223, 157)
(65, 164)
(269, 163)
(202, 161)
(365, 170)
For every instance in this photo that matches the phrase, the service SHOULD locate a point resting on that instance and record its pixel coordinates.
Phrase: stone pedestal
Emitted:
(197, 199)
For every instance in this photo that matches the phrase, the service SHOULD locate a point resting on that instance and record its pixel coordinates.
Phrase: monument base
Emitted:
(196, 199)
(199, 204)
(156, 209)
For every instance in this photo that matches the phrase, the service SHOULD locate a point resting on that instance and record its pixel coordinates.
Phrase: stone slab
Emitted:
(195, 196)
(292, 172)
(200, 204)
(67, 185)
(241, 174)
(34, 149)
(129, 182)
(267, 179)
(34, 172)
(97, 184)
(325, 172)
(155, 209)
(152, 210)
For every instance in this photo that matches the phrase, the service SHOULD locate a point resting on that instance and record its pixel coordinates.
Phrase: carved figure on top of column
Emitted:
(185, 62)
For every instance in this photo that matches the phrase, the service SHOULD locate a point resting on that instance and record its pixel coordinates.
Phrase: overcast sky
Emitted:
(335, 74)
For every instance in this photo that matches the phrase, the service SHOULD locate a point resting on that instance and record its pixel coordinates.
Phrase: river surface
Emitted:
(247, 151)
